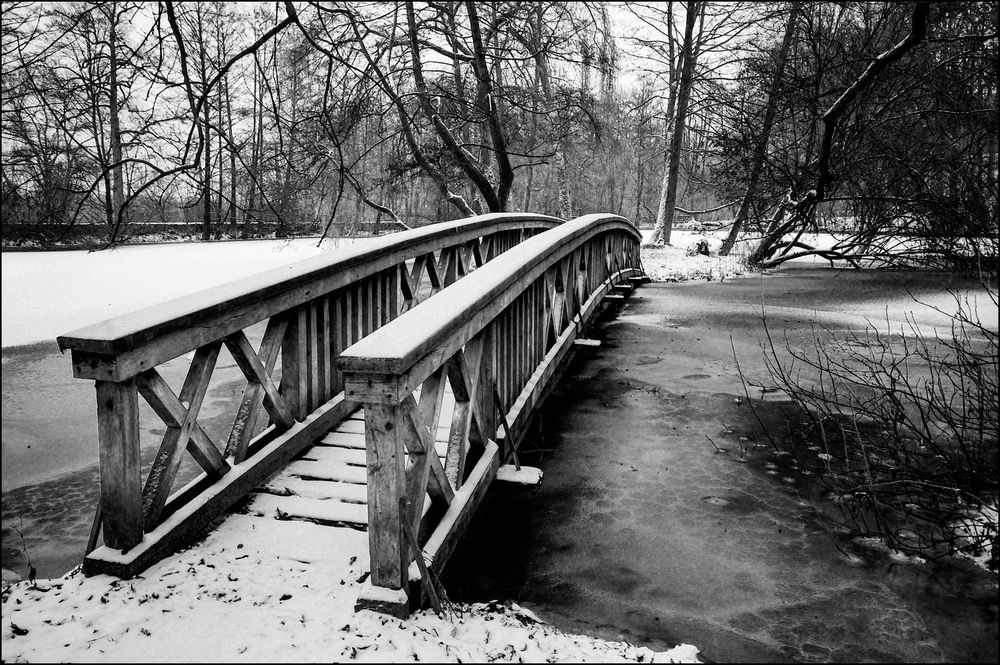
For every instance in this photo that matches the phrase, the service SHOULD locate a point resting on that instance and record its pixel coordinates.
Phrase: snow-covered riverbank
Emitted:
(81, 287)
(263, 590)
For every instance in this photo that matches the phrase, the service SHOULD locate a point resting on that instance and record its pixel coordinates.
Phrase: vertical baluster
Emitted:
(376, 287)
(364, 306)
(350, 315)
(312, 356)
(508, 360)
(361, 304)
(520, 340)
(294, 386)
(501, 342)
(451, 267)
(336, 313)
(387, 285)
(121, 481)
(535, 316)
(485, 390)
(395, 293)
(515, 360)
(324, 359)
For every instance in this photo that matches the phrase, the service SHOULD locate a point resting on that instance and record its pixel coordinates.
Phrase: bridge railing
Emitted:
(499, 339)
(313, 309)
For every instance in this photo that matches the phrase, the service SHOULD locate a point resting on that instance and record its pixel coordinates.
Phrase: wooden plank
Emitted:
(250, 365)
(615, 299)
(384, 432)
(392, 291)
(336, 323)
(477, 252)
(485, 410)
(356, 316)
(121, 481)
(312, 370)
(432, 394)
(168, 407)
(336, 454)
(344, 439)
(463, 375)
(163, 470)
(433, 275)
(246, 415)
(326, 511)
(421, 441)
(189, 521)
(352, 425)
(324, 362)
(409, 291)
(418, 556)
(328, 470)
(317, 489)
(294, 389)
(375, 388)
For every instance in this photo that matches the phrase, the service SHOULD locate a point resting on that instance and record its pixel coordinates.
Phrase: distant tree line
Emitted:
(235, 116)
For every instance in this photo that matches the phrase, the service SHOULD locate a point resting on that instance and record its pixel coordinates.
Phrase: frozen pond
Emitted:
(641, 531)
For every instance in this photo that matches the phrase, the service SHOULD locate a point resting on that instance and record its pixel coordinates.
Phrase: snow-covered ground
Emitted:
(254, 590)
(259, 590)
(678, 261)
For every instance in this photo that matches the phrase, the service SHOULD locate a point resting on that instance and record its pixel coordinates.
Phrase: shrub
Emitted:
(908, 426)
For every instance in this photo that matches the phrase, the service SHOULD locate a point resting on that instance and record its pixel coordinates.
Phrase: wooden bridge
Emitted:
(393, 410)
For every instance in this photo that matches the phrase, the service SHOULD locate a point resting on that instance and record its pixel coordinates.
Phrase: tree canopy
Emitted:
(879, 117)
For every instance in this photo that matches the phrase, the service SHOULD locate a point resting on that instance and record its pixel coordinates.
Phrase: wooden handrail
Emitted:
(123, 346)
(466, 310)
(313, 310)
(499, 339)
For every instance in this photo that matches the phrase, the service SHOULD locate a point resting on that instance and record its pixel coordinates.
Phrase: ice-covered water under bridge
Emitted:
(408, 368)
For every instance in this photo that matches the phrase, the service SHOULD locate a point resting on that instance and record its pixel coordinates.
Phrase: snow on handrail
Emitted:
(397, 346)
(213, 313)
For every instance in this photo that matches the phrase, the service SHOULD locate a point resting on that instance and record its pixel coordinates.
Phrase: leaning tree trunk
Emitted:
(802, 210)
(757, 164)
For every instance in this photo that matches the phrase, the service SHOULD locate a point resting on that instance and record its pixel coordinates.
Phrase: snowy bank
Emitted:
(263, 590)
(84, 287)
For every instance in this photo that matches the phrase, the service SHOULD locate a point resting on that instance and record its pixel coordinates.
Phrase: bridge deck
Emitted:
(328, 482)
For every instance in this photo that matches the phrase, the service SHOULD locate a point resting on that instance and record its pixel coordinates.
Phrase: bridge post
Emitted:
(121, 479)
(386, 591)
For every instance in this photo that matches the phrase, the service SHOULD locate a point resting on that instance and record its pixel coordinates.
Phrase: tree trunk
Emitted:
(118, 188)
(542, 67)
(760, 151)
(206, 231)
(668, 197)
(219, 116)
(231, 212)
(257, 135)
